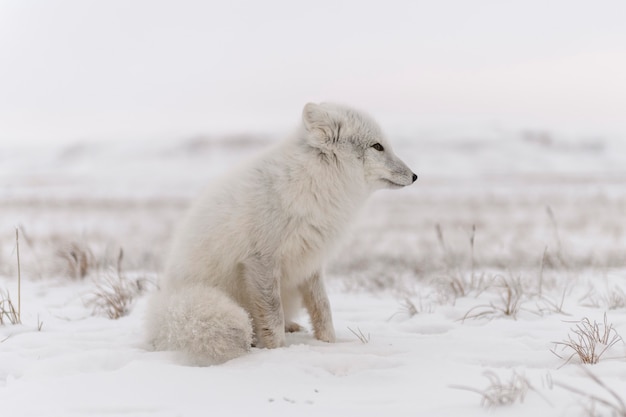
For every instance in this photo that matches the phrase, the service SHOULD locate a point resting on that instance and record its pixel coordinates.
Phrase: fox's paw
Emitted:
(326, 335)
(293, 327)
(271, 338)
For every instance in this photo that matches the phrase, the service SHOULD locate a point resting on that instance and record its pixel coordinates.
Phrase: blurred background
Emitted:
(96, 70)
(113, 114)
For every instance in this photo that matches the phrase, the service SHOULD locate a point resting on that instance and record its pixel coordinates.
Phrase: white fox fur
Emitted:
(250, 252)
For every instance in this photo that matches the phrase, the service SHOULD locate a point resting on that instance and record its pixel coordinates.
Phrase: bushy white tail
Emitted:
(200, 321)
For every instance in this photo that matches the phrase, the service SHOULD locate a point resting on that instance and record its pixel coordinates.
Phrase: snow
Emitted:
(431, 360)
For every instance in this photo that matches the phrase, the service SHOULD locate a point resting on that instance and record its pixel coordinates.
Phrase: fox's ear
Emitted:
(322, 123)
(312, 116)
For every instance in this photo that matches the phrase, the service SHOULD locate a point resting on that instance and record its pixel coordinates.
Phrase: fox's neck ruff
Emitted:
(330, 190)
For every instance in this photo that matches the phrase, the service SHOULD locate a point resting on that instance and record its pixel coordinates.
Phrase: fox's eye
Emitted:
(378, 147)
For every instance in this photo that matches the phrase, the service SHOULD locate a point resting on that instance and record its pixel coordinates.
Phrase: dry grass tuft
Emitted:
(78, 259)
(613, 298)
(559, 257)
(365, 339)
(589, 341)
(409, 309)
(510, 292)
(614, 403)
(501, 393)
(550, 305)
(19, 276)
(113, 296)
(455, 283)
(8, 311)
(115, 292)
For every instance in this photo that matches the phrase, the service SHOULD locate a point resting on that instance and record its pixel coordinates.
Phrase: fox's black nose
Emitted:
(414, 177)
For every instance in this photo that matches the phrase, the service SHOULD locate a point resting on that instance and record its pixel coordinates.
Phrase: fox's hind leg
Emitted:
(317, 304)
(262, 282)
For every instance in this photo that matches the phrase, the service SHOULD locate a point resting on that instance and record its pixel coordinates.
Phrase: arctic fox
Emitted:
(250, 252)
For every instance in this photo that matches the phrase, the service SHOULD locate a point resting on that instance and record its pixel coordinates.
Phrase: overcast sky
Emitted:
(83, 70)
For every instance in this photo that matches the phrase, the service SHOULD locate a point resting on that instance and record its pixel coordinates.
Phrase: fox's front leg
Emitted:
(317, 304)
(262, 282)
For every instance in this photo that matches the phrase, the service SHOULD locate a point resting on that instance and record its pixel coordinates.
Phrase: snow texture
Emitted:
(444, 295)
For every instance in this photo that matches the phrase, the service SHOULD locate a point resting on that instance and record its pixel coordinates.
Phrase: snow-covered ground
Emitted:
(448, 296)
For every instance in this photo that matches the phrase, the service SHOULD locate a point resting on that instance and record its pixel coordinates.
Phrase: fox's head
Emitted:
(354, 140)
